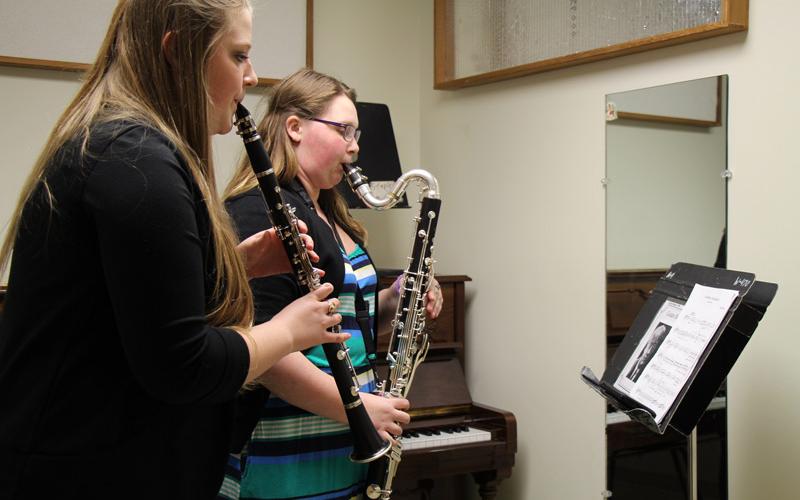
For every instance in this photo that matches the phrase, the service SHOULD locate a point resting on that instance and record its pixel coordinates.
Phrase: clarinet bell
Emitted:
(368, 445)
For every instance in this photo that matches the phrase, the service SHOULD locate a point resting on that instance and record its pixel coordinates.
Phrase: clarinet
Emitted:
(367, 443)
(409, 341)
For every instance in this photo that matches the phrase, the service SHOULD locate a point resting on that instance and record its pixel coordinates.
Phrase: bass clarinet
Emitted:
(367, 443)
(409, 341)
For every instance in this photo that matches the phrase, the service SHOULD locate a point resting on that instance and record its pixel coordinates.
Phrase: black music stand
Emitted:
(724, 347)
(377, 155)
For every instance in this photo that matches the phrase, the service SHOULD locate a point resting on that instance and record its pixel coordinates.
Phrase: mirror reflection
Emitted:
(666, 192)
(665, 202)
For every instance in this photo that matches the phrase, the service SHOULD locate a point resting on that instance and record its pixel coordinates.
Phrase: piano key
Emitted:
(618, 417)
(430, 438)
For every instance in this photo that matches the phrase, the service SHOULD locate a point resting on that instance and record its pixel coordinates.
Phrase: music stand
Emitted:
(716, 360)
(714, 363)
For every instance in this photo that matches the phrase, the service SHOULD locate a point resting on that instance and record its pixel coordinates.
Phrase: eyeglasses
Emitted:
(349, 132)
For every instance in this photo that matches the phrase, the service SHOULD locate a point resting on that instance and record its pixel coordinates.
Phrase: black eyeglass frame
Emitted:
(347, 129)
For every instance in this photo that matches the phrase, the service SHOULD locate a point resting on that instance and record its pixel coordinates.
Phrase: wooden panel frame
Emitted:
(734, 15)
(676, 120)
(24, 62)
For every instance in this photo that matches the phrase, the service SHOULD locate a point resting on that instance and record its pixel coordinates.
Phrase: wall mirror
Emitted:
(666, 202)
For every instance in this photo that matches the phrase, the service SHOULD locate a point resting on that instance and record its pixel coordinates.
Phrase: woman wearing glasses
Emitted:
(301, 444)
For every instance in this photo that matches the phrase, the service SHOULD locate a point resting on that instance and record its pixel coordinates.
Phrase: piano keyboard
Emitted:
(430, 438)
(618, 417)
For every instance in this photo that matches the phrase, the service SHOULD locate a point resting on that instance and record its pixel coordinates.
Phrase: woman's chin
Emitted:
(337, 178)
(222, 129)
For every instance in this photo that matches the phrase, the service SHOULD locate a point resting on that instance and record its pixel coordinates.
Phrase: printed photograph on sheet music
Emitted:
(648, 346)
(679, 354)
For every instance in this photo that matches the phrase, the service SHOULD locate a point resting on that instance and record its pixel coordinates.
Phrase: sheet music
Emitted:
(671, 347)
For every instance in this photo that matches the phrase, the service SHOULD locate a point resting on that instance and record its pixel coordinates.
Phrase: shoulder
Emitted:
(248, 212)
(130, 166)
(126, 139)
(317, 227)
(128, 150)
(293, 197)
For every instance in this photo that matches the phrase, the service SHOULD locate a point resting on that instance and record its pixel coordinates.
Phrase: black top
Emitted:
(273, 293)
(112, 383)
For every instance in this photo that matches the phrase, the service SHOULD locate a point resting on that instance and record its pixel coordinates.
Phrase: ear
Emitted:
(168, 46)
(294, 128)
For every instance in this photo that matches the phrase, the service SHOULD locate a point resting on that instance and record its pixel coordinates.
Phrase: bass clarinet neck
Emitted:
(360, 185)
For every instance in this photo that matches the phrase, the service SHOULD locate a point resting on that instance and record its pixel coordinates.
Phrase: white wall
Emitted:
(520, 164)
(30, 102)
(524, 217)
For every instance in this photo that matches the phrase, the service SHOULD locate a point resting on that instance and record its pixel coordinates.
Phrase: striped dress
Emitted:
(296, 454)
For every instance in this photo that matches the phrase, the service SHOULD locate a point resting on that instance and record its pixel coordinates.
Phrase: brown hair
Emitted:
(131, 79)
(306, 93)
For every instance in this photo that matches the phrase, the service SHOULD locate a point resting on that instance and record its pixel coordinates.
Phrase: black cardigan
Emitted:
(273, 293)
(112, 383)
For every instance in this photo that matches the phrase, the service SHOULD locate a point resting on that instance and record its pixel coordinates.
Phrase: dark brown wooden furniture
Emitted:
(440, 399)
(626, 293)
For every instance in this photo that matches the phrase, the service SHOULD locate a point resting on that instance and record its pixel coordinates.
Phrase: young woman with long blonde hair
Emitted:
(127, 329)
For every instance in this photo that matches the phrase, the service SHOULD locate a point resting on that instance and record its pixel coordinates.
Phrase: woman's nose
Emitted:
(250, 77)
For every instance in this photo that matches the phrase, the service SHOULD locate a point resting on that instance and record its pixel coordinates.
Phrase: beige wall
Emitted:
(520, 164)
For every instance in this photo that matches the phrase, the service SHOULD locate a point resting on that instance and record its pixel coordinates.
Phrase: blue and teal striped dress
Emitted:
(296, 454)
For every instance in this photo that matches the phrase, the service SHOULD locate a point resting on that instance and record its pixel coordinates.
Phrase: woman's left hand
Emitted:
(434, 299)
(263, 253)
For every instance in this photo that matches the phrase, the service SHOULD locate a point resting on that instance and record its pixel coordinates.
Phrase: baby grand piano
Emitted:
(449, 435)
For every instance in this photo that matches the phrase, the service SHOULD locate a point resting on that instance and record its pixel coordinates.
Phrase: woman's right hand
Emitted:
(386, 414)
(308, 318)
(263, 253)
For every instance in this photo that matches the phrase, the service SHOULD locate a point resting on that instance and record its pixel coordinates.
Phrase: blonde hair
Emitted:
(306, 93)
(132, 79)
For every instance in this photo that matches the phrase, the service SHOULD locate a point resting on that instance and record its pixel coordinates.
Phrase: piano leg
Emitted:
(487, 484)
(421, 489)
(425, 486)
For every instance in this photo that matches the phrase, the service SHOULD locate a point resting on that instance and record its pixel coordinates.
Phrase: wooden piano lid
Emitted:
(446, 331)
(439, 388)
